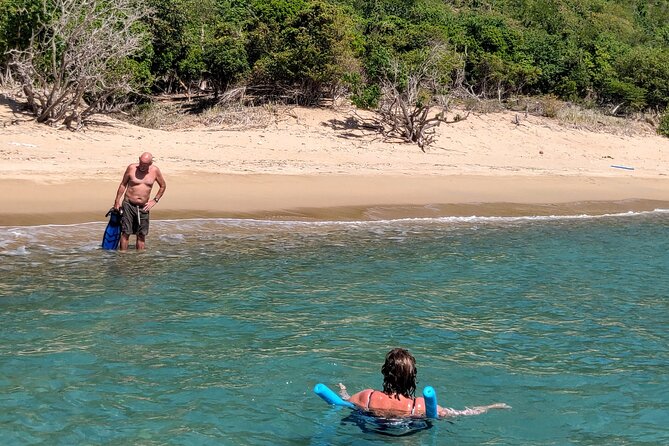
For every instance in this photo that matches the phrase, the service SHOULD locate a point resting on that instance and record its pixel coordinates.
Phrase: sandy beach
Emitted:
(317, 164)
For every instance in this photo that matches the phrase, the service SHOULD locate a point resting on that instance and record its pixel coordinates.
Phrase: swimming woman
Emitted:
(399, 388)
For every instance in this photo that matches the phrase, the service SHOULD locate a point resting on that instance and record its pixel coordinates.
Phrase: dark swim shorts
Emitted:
(134, 220)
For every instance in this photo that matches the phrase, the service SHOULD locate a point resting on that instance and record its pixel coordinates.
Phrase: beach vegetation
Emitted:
(16, 21)
(605, 54)
(415, 94)
(77, 61)
(298, 50)
(663, 127)
(169, 113)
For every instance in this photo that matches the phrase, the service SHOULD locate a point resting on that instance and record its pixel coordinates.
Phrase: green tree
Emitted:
(300, 46)
(226, 58)
(17, 20)
(648, 69)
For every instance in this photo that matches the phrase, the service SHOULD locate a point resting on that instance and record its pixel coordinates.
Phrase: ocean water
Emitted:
(218, 332)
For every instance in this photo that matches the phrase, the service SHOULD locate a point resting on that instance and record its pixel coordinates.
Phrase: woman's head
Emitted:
(399, 373)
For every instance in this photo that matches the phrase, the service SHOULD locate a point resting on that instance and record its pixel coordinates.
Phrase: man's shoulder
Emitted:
(157, 174)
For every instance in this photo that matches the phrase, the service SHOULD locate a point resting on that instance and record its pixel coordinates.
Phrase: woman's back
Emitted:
(390, 405)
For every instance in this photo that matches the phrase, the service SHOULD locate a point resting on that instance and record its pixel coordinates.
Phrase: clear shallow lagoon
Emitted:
(219, 331)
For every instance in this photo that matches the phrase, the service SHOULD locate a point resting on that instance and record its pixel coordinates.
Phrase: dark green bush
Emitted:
(368, 98)
(648, 70)
(307, 45)
(225, 59)
(168, 26)
(17, 21)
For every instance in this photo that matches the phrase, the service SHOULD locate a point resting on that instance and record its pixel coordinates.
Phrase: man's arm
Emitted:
(163, 185)
(122, 188)
(161, 182)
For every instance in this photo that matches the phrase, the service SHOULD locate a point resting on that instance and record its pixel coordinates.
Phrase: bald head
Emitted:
(145, 161)
(146, 158)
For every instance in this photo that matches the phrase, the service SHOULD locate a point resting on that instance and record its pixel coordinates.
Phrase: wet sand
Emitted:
(344, 197)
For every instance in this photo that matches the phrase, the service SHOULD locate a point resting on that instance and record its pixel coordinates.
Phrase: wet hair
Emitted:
(399, 373)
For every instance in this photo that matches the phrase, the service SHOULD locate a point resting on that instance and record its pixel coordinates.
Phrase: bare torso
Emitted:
(139, 184)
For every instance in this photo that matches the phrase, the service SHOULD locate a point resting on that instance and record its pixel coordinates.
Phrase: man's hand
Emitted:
(149, 204)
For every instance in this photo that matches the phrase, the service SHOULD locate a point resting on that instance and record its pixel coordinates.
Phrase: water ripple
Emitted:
(219, 331)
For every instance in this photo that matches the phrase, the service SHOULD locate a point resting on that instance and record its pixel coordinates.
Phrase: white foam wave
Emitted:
(20, 251)
(459, 219)
(28, 231)
(19, 229)
(172, 237)
(17, 241)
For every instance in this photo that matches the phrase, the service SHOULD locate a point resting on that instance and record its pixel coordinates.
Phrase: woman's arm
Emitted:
(476, 410)
(343, 393)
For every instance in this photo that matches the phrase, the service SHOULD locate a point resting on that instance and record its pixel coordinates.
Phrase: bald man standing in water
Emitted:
(134, 198)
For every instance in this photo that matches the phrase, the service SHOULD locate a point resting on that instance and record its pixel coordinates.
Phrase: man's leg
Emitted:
(123, 245)
(141, 239)
(142, 230)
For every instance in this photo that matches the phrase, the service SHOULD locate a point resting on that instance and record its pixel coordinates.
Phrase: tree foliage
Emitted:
(16, 19)
(610, 53)
(303, 44)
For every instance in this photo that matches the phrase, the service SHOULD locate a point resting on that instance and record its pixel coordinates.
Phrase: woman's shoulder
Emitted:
(361, 399)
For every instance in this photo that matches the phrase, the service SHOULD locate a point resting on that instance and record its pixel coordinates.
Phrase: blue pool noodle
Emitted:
(330, 397)
(430, 402)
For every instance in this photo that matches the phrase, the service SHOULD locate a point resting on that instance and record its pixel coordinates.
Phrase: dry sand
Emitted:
(316, 164)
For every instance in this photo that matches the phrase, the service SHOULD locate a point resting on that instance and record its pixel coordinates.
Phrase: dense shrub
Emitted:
(648, 70)
(293, 43)
(168, 27)
(225, 59)
(663, 128)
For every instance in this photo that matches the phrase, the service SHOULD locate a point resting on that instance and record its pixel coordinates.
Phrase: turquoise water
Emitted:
(218, 333)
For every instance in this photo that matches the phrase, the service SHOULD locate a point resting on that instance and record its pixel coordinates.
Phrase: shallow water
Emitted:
(218, 333)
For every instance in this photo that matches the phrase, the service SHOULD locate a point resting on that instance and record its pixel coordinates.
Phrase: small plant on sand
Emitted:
(549, 106)
(155, 115)
(663, 128)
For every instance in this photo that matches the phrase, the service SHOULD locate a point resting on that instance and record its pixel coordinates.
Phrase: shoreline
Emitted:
(338, 197)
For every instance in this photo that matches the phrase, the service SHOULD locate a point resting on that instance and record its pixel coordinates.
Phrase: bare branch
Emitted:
(414, 100)
(72, 65)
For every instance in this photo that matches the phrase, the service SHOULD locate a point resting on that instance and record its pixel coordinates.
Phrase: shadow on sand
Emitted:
(351, 124)
(19, 110)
